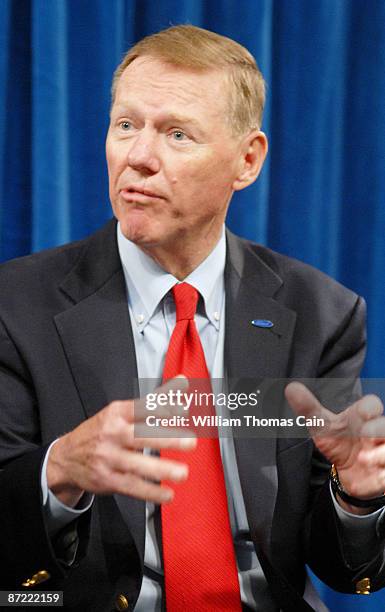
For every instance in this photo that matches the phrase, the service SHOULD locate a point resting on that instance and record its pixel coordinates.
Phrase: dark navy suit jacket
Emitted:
(67, 350)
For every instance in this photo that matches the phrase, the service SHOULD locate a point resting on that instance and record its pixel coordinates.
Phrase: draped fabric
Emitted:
(320, 197)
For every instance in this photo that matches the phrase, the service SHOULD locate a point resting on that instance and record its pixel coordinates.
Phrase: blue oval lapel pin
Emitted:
(262, 323)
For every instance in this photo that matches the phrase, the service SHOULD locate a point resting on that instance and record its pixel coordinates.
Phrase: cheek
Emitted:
(115, 163)
(192, 174)
(202, 178)
(213, 180)
(111, 168)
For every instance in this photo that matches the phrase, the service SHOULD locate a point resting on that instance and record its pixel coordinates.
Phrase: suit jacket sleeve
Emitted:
(327, 554)
(26, 547)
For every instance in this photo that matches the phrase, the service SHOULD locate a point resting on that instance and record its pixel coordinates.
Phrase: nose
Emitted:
(143, 155)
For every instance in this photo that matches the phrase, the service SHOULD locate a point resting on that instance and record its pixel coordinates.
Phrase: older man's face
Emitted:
(172, 159)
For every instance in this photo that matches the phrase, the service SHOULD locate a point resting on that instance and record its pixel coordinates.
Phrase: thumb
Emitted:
(304, 403)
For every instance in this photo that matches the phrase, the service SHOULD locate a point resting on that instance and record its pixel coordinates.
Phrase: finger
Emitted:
(174, 385)
(158, 443)
(369, 407)
(135, 486)
(351, 420)
(373, 457)
(137, 410)
(149, 467)
(375, 428)
(178, 382)
(115, 430)
(302, 400)
(305, 403)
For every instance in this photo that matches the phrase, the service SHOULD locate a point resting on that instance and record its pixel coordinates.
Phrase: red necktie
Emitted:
(198, 551)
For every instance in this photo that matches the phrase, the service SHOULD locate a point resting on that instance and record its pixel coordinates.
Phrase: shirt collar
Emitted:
(147, 283)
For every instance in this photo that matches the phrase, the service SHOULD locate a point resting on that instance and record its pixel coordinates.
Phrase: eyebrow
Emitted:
(171, 118)
(175, 118)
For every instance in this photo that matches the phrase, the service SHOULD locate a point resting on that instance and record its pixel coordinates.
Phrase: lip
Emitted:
(138, 194)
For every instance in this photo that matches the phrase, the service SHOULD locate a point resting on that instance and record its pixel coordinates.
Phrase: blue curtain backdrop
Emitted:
(320, 197)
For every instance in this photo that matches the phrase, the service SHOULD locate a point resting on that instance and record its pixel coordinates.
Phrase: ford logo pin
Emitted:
(262, 323)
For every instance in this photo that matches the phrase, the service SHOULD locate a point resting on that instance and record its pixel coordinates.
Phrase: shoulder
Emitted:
(329, 334)
(39, 274)
(296, 278)
(30, 281)
(295, 284)
(58, 259)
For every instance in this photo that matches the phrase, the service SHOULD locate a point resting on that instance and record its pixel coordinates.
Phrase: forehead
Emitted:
(155, 83)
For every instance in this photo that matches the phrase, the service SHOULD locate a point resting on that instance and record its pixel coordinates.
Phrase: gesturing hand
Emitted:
(103, 455)
(354, 440)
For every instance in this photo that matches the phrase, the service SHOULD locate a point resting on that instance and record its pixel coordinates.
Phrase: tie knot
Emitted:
(186, 300)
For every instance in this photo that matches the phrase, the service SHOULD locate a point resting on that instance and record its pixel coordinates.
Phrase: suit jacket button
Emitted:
(121, 603)
(37, 578)
(363, 586)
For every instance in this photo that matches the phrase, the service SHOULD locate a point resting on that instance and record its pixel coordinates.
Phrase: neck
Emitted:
(181, 259)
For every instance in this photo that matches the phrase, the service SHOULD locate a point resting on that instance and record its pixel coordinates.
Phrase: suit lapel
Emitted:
(251, 355)
(97, 339)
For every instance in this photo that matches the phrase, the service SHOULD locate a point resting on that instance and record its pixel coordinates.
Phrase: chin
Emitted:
(136, 232)
(132, 233)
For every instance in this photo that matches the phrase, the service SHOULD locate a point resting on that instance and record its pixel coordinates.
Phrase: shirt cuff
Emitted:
(356, 520)
(57, 514)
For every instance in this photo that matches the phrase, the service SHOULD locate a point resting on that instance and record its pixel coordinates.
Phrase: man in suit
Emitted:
(83, 324)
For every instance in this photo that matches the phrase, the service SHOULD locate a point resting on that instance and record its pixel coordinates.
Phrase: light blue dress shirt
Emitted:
(152, 312)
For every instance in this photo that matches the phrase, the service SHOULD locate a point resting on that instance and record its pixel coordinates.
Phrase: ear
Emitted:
(254, 151)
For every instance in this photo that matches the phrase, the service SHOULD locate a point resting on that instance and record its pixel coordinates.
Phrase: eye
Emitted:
(125, 125)
(179, 135)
